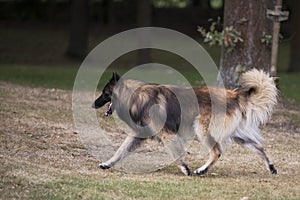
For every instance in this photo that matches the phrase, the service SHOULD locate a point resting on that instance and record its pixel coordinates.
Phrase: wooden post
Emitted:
(276, 30)
(277, 16)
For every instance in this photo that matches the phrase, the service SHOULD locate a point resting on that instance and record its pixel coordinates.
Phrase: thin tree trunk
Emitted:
(248, 17)
(78, 39)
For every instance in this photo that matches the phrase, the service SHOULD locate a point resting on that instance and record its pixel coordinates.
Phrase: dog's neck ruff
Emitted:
(108, 110)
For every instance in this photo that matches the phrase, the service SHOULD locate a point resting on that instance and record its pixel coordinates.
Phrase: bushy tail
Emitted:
(257, 95)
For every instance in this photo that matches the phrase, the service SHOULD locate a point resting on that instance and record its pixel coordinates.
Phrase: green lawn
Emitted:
(289, 85)
(176, 187)
(39, 76)
(63, 77)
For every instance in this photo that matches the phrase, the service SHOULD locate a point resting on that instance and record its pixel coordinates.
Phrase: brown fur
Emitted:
(205, 95)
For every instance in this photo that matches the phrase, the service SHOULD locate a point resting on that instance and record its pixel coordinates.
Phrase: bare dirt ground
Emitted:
(39, 143)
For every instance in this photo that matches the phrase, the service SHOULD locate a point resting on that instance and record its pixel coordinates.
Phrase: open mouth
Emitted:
(108, 110)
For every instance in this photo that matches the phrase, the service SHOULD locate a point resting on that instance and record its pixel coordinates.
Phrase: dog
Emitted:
(243, 110)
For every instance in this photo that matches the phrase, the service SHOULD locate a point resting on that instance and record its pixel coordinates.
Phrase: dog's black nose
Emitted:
(94, 106)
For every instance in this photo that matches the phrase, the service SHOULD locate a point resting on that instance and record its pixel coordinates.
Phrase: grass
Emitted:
(159, 185)
(87, 187)
(63, 77)
(39, 76)
(289, 86)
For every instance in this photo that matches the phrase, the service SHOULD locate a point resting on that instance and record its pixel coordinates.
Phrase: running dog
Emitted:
(214, 116)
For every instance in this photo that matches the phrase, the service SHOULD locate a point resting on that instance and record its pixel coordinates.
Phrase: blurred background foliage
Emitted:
(38, 31)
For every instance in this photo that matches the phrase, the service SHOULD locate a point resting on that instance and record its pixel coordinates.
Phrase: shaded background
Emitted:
(55, 32)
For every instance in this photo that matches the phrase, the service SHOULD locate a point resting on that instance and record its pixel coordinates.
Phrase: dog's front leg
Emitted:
(129, 145)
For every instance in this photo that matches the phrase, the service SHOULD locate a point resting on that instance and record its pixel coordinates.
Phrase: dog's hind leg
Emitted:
(129, 145)
(202, 135)
(176, 148)
(214, 154)
(254, 146)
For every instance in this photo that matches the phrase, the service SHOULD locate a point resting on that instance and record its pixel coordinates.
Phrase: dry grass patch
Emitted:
(42, 157)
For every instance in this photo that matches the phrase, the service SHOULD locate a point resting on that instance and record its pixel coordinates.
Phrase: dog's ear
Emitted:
(115, 77)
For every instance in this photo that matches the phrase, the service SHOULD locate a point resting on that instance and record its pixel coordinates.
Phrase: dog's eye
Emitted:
(105, 94)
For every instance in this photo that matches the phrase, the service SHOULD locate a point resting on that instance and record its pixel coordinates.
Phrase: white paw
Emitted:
(201, 171)
(186, 171)
(104, 166)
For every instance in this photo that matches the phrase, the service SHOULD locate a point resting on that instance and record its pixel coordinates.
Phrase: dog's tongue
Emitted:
(108, 110)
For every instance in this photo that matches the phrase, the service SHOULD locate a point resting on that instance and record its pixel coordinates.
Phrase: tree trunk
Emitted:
(294, 65)
(78, 39)
(144, 20)
(249, 18)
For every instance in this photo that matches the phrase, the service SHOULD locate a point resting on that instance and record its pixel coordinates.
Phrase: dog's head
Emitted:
(106, 94)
